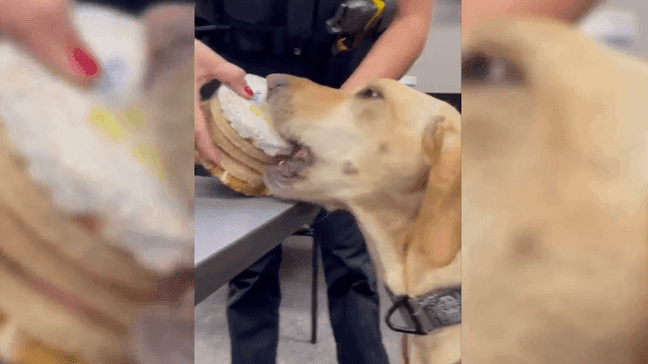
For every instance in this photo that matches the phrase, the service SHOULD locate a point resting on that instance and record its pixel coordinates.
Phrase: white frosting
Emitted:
(250, 118)
(119, 42)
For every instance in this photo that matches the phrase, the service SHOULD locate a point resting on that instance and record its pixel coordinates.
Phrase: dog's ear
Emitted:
(441, 141)
(437, 228)
(169, 89)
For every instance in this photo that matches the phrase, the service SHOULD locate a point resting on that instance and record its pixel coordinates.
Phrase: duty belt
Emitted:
(354, 21)
(435, 310)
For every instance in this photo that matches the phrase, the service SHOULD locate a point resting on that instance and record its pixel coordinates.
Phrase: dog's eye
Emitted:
(475, 67)
(369, 93)
(478, 68)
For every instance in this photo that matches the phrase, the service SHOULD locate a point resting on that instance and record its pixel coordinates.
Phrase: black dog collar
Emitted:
(425, 314)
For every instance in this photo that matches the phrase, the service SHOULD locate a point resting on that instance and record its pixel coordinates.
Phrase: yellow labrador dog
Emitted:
(555, 190)
(95, 197)
(392, 156)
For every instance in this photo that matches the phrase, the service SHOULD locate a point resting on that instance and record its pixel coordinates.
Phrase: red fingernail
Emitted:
(82, 63)
(248, 90)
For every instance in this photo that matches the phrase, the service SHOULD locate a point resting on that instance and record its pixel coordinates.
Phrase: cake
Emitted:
(242, 132)
(96, 192)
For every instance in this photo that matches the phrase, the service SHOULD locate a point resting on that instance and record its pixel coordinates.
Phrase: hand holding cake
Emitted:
(242, 132)
(210, 66)
(45, 29)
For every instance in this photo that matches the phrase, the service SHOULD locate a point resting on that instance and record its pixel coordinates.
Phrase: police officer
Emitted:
(340, 44)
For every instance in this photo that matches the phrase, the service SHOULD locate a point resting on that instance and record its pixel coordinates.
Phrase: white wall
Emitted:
(439, 67)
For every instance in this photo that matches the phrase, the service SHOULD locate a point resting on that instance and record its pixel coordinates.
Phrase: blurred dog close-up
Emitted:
(96, 192)
(392, 156)
(555, 210)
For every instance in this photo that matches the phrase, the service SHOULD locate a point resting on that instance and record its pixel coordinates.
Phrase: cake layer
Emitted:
(233, 175)
(226, 138)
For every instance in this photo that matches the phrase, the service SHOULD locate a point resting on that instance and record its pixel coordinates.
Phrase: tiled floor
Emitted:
(212, 342)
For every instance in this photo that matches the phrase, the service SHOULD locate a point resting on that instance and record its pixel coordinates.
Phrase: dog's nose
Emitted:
(276, 81)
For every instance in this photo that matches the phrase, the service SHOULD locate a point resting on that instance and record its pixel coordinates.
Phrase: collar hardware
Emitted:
(426, 314)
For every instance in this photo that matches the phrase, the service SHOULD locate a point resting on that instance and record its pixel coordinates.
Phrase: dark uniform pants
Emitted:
(254, 298)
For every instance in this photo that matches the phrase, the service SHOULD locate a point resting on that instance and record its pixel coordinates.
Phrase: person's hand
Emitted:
(210, 66)
(474, 11)
(44, 28)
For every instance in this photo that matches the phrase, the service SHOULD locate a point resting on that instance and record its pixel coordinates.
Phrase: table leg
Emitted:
(314, 293)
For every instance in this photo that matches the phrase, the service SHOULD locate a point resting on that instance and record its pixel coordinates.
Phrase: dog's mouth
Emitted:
(289, 169)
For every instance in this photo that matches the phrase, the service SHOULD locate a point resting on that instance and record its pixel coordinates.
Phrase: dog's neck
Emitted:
(407, 266)
(385, 226)
(410, 256)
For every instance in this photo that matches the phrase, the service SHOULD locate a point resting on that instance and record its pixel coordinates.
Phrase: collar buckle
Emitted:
(437, 309)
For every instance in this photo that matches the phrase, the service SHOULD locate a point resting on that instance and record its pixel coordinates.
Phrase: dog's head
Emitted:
(380, 139)
(554, 196)
(389, 154)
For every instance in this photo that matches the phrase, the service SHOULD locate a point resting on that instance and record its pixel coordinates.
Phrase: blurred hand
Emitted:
(210, 66)
(474, 11)
(44, 28)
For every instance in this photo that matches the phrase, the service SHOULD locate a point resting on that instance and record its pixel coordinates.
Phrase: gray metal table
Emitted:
(232, 231)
